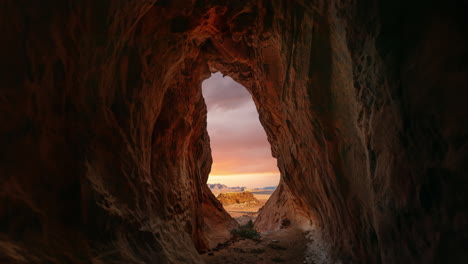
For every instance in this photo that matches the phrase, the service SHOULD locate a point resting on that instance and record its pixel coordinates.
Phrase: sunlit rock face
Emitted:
(284, 206)
(105, 154)
(245, 198)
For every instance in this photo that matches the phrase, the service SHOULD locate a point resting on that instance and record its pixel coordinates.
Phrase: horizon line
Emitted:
(245, 174)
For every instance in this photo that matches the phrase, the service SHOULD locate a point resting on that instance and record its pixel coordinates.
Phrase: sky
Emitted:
(240, 149)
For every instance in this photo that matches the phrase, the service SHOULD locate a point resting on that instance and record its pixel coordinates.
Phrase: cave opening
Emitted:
(244, 173)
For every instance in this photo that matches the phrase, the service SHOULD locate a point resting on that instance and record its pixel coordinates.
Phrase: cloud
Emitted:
(223, 93)
(238, 141)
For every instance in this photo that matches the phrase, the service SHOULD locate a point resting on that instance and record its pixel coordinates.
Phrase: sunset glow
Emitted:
(240, 149)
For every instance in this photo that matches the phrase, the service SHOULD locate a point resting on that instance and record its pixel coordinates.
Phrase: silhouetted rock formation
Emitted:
(104, 151)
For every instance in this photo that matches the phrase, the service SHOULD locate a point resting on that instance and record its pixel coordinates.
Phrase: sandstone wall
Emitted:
(105, 152)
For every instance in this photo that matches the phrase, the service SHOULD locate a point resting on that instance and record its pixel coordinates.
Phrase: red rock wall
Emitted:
(105, 152)
(284, 210)
(104, 137)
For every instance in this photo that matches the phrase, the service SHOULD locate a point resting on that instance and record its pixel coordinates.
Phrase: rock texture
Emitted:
(105, 154)
(283, 206)
(246, 198)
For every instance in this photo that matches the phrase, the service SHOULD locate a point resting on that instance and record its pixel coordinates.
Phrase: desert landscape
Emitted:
(244, 211)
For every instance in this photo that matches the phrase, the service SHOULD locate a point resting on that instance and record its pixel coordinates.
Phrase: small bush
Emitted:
(246, 231)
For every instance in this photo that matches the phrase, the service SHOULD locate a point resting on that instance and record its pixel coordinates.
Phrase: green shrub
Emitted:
(246, 231)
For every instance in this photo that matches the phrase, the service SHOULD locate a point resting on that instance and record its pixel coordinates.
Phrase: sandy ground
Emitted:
(289, 246)
(283, 246)
(243, 213)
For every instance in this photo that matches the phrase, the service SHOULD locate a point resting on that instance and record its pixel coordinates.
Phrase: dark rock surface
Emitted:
(104, 151)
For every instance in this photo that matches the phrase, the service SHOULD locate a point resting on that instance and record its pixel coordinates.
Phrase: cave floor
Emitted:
(283, 246)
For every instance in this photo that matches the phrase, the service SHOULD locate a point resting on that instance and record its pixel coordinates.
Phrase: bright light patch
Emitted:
(240, 149)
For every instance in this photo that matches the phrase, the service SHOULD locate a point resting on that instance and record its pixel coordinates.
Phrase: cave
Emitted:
(105, 153)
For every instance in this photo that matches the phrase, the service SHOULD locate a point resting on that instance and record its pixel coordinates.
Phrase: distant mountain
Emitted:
(267, 188)
(237, 187)
(217, 186)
